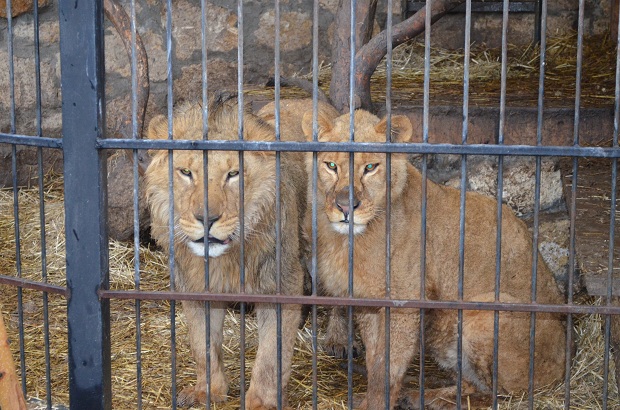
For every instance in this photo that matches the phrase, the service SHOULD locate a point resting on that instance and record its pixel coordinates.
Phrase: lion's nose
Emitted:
(211, 219)
(342, 201)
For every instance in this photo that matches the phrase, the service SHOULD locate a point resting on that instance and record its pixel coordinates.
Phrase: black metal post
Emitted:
(85, 175)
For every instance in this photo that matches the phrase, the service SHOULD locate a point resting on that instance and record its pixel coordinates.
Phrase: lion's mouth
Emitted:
(343, 227)
(213, 239)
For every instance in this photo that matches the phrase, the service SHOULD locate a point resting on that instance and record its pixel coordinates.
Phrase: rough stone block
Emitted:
(21, 6)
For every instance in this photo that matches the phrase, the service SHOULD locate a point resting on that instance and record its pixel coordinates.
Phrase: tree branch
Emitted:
(341, 45)
(121, 22)
(370, 55)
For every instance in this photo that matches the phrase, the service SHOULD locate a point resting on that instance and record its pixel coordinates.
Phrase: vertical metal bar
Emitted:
(534, 283)
(539, 15)
(315, 88)
(85, 173)
(171, 217)
(136, 205)
(18, 267)
(351, 210)
(278, 207)
(46, 327)
(459, 345)
(573, 200)
(612, 219)
(580, 29)
(541, 36)
(137, 305)
(242, 308)
(205, 173)
(9, 38)
(388, 196)
(571, 258)
(608, 298)
(425, 126)
(499, 194)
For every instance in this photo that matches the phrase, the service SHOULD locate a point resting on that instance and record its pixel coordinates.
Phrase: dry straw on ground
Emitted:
(586, 382)
(522, 77)
(586, 374)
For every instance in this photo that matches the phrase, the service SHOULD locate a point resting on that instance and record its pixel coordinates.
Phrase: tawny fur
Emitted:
(292, 113)
(259, 173)
(441, 270)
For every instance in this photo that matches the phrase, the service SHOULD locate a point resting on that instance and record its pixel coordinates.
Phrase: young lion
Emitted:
(441, 273)
(223, 231)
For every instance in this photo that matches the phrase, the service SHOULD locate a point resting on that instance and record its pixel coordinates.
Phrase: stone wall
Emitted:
(222, 39)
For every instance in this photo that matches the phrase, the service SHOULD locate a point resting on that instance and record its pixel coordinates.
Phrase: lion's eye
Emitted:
(233, 174)
(370, 167)
(186, 171)
(331, 165)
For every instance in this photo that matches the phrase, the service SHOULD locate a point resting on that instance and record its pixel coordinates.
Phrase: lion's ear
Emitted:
(402, 130)
(324, 124)
(158, 128)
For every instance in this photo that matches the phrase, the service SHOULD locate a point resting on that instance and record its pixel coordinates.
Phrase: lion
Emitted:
(366, 219)
(215, 233)
(292, 111)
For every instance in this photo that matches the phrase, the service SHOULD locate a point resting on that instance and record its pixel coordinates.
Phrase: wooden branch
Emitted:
(341, 46)
(370, 55)
(11, 396)
(121, 22)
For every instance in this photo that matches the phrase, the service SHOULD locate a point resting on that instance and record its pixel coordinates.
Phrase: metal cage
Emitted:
(85, 148)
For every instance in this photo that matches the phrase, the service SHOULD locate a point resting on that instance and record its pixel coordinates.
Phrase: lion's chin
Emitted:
(343, 228)
(214, 250)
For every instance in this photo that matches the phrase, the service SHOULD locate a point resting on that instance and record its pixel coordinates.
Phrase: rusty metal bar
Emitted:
(34, 285)
(370, 302)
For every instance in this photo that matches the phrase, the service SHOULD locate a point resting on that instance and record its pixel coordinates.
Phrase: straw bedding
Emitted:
(586, 380)
(586, 374)
(522, 77)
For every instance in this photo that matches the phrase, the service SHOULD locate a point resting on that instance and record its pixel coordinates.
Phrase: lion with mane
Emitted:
(367, 214)
(216, 233)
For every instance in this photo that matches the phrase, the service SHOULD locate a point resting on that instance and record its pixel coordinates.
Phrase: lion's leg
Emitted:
(263, 391)
(336, 340)
(195, 314)
(404, 326)
(514, 349)
(477, 351)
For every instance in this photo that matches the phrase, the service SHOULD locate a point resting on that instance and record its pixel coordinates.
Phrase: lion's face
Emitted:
(213, 218)
(367, 175)
(220, 226)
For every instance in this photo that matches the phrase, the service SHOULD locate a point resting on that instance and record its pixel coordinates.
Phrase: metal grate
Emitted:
(84, 147)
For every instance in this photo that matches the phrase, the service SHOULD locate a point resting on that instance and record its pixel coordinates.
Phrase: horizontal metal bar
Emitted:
(410, 148)
(345, 301)
(44, 142)
(34, 285)
(483, 7)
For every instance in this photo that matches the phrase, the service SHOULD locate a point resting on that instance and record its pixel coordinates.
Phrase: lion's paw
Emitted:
(197, 394)
(359, 401)
(254, 402)
(337, 346)
(190, 396)
(336, 342)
